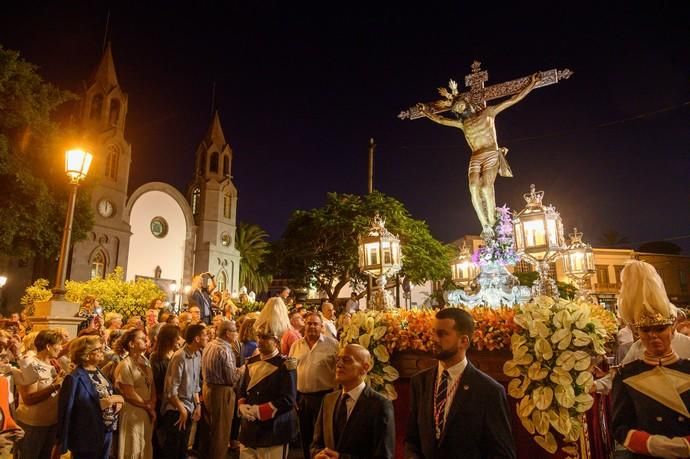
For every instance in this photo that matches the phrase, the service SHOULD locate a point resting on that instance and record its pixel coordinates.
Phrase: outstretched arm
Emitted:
(424, 110)
(498, 108)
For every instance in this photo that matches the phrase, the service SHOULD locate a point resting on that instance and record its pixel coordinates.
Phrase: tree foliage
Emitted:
(251, 241)
(319, 246)
(33, 186)
(113, 293)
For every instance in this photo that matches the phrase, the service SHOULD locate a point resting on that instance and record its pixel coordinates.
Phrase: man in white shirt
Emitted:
(328, 313)
(352, 304)
(315, 355)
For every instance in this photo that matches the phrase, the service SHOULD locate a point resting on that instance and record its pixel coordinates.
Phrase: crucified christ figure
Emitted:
(488, 159)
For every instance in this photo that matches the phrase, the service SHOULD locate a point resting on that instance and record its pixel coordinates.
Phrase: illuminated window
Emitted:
(196, 198)
(98, 266)
(96, 107)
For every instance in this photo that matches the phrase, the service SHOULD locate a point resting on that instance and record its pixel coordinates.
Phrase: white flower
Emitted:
(379, 332)
(565, 396)
(584, 402)
(566, 360)
(585, 380)
(582, 360)
(542, 396)
(511, 368)
(560, 376)
(536, 372)
(364, 340)
(540, 419)
(542, 349)
(562, 337)
(390, 373)
(525, 406)
(581, 338)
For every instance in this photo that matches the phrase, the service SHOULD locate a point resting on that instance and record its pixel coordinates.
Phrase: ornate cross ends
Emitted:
(479, 94)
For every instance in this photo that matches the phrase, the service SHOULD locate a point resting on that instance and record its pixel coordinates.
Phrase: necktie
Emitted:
(440, 403)
(340, 417)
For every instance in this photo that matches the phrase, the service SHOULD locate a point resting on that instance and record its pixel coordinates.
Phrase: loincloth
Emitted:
(480, 162)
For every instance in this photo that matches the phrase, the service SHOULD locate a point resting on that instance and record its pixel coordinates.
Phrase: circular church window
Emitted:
(159, 227)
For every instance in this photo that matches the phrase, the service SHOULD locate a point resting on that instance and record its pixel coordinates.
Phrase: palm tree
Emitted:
(612, 238)
(250, 240)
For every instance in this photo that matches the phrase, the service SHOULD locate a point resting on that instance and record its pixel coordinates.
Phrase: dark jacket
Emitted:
(271, 381)
(80, 419)
(477, 426)
(368, 433)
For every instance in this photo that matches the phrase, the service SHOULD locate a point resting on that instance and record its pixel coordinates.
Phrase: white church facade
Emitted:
(155, 231)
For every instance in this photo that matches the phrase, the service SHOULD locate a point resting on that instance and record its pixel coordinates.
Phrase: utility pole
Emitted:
(372, 148)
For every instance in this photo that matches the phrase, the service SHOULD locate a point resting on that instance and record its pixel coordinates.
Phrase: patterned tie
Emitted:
(340, 417)
(440, 403)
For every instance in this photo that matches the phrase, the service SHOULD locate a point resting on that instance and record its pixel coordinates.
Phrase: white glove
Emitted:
(662, 446)
(249, 412)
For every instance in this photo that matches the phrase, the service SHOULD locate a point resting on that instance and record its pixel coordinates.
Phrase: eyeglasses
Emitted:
(656, 329)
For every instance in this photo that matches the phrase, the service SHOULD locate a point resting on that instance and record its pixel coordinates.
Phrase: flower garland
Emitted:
(552, 357)
(499, 249)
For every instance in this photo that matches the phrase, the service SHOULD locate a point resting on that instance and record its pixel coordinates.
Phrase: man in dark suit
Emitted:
(456, 410)
(355, 422)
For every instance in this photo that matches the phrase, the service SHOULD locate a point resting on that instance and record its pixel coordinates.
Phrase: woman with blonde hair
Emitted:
(134, 379)
(87, 407)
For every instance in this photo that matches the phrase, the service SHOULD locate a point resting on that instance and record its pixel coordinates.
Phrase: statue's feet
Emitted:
(487, 233)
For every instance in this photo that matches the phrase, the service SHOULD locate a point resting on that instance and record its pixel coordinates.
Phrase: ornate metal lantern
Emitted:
(77, 163)
(380, 257)
(463, 268)
(578, 261)
(538, 233)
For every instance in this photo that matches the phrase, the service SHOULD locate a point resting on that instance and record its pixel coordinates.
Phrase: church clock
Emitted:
(105, 208)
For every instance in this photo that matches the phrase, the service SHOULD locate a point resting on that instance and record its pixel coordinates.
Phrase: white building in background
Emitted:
(155, 232)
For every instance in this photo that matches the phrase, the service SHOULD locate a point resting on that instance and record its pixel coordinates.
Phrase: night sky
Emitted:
(301, 90)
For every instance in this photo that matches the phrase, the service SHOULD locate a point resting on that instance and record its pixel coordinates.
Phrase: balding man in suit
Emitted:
(355, 422)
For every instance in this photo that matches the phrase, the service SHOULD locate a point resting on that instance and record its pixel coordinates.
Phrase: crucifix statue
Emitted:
(477, 122)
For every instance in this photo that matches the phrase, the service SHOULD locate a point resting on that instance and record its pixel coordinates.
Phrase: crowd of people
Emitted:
(210, 380)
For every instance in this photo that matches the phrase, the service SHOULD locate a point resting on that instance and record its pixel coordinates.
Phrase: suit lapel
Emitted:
(85, 380)
(327, 420)
(465, 387)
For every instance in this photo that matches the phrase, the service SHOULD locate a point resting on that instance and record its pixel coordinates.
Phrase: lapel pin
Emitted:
(465, 387)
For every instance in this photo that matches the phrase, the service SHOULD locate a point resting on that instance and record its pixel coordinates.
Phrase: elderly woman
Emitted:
(87, 407)
(650, 396)
(134, 379)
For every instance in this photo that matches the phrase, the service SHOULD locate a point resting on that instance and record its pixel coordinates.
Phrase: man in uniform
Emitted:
(267, 401)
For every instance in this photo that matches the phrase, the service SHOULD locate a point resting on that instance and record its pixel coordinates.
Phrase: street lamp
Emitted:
(538, 233)
(3, 281)
(380, 257)
(173, 290)
(77, 163)
(578, 262)
(463, 268)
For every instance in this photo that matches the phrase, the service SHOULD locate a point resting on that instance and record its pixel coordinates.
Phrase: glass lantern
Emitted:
(463, 268)
(77, 163)
(379, 250)
(578, 261)
(538, 229)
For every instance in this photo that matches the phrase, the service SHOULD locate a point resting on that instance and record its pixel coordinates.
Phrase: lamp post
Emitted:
(463, 268)
(173, 290)
(380, 257)
(538, 233)
(77, 163)
(578, 262)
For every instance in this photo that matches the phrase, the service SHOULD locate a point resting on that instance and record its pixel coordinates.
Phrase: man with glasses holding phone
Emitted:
(267, 401)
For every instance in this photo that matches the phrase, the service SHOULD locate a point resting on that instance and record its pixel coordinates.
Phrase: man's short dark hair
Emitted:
(46, 337)
(464, 323)
(192, 332)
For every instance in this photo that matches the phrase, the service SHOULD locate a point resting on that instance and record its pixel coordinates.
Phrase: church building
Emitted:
(155, 231)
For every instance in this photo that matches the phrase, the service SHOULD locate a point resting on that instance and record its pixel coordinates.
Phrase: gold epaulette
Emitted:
(290, 363)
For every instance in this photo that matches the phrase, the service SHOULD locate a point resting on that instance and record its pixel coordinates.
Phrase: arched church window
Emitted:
(112, 162)
(226, 165)
(213, 167)
(222, 281)
(98, 265)
(96, 107)
(196, 200)
(227, 205)
(202, 164)
(114, 115)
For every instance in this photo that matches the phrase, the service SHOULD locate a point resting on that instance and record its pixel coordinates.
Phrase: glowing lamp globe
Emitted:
(77, 163)
(463, 268)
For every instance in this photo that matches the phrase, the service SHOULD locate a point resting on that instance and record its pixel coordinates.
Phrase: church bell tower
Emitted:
(102, 119)
(213, 198)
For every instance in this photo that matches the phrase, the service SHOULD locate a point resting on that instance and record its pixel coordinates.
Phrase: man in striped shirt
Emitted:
(220, 375)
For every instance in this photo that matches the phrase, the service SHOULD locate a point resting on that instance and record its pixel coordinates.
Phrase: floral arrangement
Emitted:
(368, 328)
(409, 330)
(493, 328)
(499, 249)
(553, 352)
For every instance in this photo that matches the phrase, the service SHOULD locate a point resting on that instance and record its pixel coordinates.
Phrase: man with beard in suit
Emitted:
(456, 410)
(356, 421)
